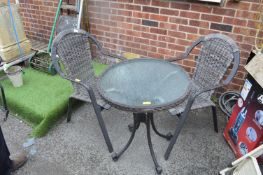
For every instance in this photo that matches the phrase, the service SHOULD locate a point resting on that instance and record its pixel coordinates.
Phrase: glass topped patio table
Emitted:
(143, 86)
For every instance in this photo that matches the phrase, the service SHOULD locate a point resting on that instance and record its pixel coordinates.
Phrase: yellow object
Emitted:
(9, 49)
(129, 55)
(146, 103)
(77, 80)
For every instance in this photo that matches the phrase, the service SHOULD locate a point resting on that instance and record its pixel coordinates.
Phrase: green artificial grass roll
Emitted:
(40, 101)
(43, 98)
(99, 68)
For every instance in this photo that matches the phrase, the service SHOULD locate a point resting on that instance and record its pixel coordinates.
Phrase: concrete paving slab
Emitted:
(78, 148)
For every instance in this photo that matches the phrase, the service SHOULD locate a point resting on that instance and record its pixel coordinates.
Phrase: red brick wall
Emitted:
(159, 29)
(38, 16)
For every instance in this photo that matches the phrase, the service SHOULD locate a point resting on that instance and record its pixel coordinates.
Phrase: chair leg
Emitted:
(104, 130)
(100, 120)
(70, 104)
(179, 115)
(215, 119)
(178, 128)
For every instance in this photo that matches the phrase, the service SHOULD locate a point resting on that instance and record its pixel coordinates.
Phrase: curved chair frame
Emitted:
(207, 41)
(80, 41)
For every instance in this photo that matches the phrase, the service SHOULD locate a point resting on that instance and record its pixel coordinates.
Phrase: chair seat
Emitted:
(200, 102)
(85, 97)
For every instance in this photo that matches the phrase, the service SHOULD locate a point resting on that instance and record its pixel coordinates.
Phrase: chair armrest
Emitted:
(188, 50)
(234, 69)
(89, 89)
(180, 57)
(192, 96)
(112, 55)
(111, 58)
(77, 81)
(104, 52)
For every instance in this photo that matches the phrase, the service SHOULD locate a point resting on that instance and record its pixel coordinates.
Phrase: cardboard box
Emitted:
(244, 130)
(255, 68)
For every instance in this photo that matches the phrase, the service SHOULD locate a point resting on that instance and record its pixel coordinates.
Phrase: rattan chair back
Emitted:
(73, 52)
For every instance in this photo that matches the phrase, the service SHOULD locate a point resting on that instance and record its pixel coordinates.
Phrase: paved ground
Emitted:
(77, 148)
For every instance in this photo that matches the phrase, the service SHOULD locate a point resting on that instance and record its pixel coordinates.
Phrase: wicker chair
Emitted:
(216, 55)
(71, 50)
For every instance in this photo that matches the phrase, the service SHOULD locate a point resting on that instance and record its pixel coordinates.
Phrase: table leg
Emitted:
(168, 136)
(157, 166)
(130, 127)
(115, 156)
(137, 119)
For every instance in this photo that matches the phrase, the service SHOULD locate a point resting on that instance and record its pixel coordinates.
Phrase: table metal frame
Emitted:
(143, 114)
(147, 119)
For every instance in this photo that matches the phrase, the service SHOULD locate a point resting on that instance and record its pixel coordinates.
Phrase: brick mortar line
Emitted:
(169, 17)
(185, 18)
(170, 8)
(157, 47)
(249, 28)
(38, 24)
(198, 33)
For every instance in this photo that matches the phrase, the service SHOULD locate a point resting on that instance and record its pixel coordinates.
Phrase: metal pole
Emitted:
(54, 26)
(80, 13)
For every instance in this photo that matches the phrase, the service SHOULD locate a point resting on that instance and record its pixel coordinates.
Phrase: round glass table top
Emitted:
(144, 85)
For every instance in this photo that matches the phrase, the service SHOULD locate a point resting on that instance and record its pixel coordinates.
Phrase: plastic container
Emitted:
(14, 73)
(29, 147)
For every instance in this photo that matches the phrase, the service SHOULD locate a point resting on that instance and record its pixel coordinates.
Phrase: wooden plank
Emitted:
(39, 45)
(35, 44)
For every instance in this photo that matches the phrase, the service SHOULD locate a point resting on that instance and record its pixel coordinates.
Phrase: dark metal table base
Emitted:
(147, 119)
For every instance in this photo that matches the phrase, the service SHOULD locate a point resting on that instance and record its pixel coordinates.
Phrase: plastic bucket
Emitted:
(14, 73)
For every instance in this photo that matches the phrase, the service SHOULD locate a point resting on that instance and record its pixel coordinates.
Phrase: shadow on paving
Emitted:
(78, 148)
